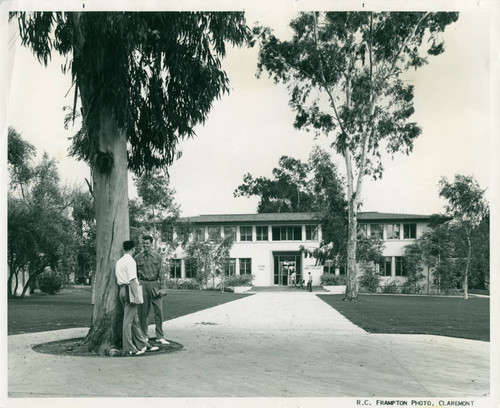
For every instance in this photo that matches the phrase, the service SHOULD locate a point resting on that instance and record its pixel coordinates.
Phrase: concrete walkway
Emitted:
(289, 344)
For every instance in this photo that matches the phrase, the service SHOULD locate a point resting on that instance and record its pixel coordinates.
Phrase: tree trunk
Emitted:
(112, 228)
(467, 267)
(9, 281)
(351, 292)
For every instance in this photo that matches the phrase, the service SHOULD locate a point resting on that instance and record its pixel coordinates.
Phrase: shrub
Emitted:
(239, 280)
(390, 287)
(369, 280)
(182, 284)
(188, 285)
(50, 282)
(329, 279)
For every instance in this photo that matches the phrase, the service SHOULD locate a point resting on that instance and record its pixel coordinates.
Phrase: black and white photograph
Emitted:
(282, 204)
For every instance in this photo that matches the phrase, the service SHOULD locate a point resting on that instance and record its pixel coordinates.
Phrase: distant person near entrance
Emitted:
(149, 269)
(309, 282)
(293, 278)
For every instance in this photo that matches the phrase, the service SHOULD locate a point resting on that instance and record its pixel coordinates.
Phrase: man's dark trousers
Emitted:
(143, 312)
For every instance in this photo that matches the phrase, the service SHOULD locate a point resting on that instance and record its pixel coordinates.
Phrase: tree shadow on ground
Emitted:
(78, 348)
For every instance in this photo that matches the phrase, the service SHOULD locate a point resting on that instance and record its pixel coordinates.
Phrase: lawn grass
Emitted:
(71, 308)
(443, 316)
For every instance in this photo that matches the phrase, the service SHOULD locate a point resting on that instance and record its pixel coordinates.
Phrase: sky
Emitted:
(248, 130)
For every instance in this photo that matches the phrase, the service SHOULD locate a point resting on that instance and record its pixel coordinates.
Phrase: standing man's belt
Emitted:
(145, 279)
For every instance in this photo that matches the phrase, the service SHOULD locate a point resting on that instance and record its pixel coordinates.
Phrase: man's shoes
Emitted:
(150, 348)
(134, 353)
(163, 341)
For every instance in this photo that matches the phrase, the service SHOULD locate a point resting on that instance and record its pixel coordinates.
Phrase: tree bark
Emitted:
(467, 267)
(111, 211)
(351, 292)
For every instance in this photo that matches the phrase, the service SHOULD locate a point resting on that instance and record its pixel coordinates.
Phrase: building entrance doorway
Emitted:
(285, 264)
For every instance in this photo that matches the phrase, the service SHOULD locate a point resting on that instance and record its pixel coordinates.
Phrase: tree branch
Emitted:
(323, 79)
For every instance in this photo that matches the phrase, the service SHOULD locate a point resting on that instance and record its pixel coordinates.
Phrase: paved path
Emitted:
(265, 345)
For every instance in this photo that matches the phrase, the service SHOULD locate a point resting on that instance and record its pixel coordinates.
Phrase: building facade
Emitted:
(268, 246)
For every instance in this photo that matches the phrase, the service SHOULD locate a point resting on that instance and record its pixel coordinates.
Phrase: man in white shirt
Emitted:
(135, 342)
(309, 282)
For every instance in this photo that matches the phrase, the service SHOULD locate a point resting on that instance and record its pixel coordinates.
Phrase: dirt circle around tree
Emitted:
(77, 348)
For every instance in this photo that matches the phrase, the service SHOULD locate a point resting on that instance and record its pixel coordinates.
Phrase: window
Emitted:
(199, 234)
(245, 233)
(385, 266)
(290, 233)
(230, 231)
(329, 266)
(362, 230)
(393, 231)
(343, 269)
(311, 232)
(377, 231)
(213, 233)
(410, 231)
(191, 267)
(230, 267)
(400, 266)
(175, 268)
(262, 233)
(245, 266)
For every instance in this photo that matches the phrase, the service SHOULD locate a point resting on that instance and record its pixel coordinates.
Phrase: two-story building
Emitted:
(268, 245)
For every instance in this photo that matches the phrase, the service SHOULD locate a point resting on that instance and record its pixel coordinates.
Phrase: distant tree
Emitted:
(480, 267)
(155, 211)
(39, 231)
(344, 75)
(467, 206)
(314, 186)
(210, 257)
(413, 263)
(144, 81)
(221, 259)
(286, 192)
(82, 210)
(19, 156)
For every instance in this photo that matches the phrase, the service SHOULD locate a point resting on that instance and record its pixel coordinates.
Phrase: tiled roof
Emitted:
(261, 217)
(294, 217)
(376, 216)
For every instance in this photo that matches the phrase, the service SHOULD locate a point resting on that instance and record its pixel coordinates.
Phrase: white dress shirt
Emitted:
(125, 269)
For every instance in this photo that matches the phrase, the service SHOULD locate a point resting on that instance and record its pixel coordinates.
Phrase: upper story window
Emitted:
(362, 230)
(230, 232)
(377, 231)
(262, 233)
(246, 233)
(393, 231)
(410, 231)
(199, 234)
(213, 233)
(311, 232)
(289, 233)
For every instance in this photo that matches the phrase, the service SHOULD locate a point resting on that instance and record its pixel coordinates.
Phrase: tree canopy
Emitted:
(158, 72)
(344, 72)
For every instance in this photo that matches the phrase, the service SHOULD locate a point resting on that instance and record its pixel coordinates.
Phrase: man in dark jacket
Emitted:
(150, 273)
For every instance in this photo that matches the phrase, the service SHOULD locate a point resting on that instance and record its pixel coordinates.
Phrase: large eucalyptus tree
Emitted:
(144, 80)
(344, 75)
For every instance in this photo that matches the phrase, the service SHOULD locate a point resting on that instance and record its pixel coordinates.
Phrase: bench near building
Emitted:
(268, 245)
